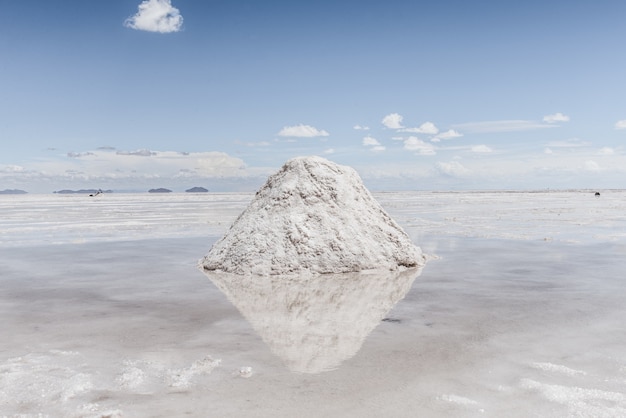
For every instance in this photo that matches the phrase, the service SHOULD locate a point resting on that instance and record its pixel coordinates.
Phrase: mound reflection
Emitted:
(313, 323)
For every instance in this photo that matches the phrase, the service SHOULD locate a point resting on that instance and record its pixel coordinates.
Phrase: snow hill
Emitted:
(312, 216)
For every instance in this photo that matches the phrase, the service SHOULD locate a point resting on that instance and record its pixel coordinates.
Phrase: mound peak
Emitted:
(312, 216)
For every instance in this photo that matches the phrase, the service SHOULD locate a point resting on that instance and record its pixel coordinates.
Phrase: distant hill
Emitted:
(196, 190)
(12, 191)
(82, 191)
(159, 190)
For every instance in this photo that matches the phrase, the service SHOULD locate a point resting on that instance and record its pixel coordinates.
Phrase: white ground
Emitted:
(104, 313)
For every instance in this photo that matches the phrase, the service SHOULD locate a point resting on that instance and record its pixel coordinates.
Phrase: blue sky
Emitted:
(134, 94)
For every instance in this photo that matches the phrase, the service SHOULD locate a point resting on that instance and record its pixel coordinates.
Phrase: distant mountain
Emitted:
(82, 191)
(159, 190)
(12, 191)
(196, 190)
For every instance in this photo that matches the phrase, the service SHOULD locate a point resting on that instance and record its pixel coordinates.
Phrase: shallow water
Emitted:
(521, 314)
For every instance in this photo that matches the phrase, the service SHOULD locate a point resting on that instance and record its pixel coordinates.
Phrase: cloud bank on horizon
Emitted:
(109, 167)
(245, 86)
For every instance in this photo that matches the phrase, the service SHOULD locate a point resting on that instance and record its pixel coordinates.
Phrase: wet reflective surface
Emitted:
(496, 326)
(314, 323)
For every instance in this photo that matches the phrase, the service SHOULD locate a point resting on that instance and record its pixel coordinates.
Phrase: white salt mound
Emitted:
(312, 216)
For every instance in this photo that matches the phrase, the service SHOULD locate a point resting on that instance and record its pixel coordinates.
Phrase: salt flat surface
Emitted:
(104, 313)
(575, 216)
(71, 219)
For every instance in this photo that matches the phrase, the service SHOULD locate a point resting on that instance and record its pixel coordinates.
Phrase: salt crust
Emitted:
(312, 216)
(62, 383)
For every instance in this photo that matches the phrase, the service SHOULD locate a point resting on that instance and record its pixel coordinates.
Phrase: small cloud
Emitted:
(502, 126)
(481, 149)
(449, 134)
(329, 151)
(427, 128)
(373, 143)
(557, 117)
(452, 169)
(74, 173)
(548, 151)
(156, 16)
(620, 124)
(393, 121)
(568, 143)
(591, 166)
(258, 144)
(138, 153)
(302, 131)
(79, 154)
(106, 148)
(413, 143)
(11, 169)
(369, 141)
(361, 128)
(606, 151)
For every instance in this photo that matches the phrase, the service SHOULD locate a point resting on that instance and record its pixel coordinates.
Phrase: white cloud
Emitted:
(373, 143)
(449, 134)
(257, 144)
(11, 169)
(156, 16)
(369, 141)
(286, 140)
(125, 171)
(502, 126)
(568, 143)
(620, 124)
(329, 151)
(78, 154)
(548, 151)
(557, 117)
(413, 143)
(302, 131)
(591, 166)
(606, 151)
(138, 153)
(452, 169)
(361, 128)
(143, 164)
(427, 128)
(481, 149)
(393, 121)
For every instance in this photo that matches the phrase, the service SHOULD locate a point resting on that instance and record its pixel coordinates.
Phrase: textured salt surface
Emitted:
(504, 323)
(561, 216)
(314, 216)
